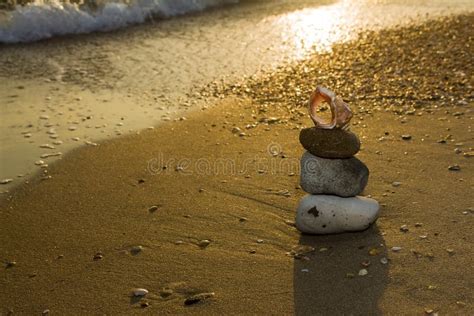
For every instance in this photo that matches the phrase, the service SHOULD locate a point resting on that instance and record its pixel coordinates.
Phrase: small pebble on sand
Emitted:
(5, 181)
(193, 299)
(153, 208)
(396, 249)
(363, 272)
(204, 243)
(454, 168)
(135, 250)
(47, 155)
(139, 292)
(47, 146)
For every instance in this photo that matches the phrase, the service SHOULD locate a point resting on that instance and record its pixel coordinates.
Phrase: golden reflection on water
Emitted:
(316, 29)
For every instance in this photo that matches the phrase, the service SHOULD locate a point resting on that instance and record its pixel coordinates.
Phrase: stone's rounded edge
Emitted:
(326, 143)
(341, 177)
(329, 214)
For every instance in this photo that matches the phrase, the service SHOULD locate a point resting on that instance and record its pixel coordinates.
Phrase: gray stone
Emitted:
(329, 214)
(342, 177)
(330, 143)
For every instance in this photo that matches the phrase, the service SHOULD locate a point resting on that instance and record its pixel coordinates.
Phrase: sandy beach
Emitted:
(207, 204)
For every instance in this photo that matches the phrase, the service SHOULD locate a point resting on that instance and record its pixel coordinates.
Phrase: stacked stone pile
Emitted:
(334, 178)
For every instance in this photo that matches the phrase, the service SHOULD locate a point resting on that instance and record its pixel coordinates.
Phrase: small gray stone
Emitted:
(342, 177)
(326, 143)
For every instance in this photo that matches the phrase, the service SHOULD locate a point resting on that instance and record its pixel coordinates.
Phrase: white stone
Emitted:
(328, 214)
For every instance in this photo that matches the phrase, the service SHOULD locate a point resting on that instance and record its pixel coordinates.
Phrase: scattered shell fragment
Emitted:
(88, 142)
(47, 155)
(10, 264)
(139, 292)
(47, 146)
(153, 208)
(204, 243)
(363, 272)
(193, 299)
(165, 292)
(135, 250)
(450, 251)
(454, 168)
(383, 260)
(373, 251)
(98, 256)
(236, 130)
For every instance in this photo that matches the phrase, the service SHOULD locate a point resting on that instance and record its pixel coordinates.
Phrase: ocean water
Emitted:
(40, 19)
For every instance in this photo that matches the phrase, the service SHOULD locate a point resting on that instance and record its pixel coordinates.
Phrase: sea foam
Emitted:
(39, 20)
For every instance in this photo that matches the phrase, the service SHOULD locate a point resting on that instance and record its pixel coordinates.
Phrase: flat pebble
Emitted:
(396, 249)
(363, 272)
(5, 181)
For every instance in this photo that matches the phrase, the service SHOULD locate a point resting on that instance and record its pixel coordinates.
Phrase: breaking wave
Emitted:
(39, 19)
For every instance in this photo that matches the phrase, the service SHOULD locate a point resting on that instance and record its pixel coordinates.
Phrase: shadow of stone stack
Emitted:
(334, 178)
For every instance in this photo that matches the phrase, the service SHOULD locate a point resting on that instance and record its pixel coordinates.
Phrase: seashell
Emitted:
(340, 111)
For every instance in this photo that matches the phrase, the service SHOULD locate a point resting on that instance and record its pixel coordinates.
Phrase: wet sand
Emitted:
(226, 200)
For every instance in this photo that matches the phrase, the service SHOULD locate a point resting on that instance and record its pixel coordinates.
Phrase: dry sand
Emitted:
(239, 193)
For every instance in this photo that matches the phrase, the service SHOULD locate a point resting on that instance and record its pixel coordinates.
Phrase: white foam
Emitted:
(39, 20)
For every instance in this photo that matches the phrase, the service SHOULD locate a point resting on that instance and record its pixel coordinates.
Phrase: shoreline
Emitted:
(87, 85)
(231, 233)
